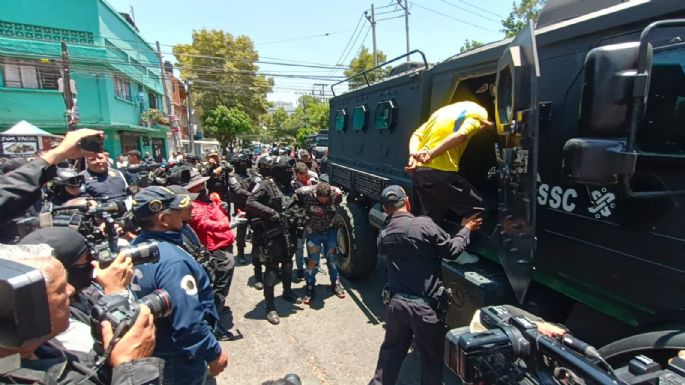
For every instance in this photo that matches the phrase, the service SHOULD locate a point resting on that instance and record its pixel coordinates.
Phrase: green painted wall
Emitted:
(116, 48)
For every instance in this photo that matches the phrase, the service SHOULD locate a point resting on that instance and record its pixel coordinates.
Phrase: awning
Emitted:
(25, 128)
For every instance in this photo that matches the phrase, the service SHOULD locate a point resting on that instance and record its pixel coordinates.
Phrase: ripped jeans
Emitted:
(326, 242)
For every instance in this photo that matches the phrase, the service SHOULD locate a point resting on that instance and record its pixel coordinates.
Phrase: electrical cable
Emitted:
(453, 18)
(471, 12)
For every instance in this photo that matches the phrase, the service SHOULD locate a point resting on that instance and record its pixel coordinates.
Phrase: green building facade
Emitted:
(116, 73)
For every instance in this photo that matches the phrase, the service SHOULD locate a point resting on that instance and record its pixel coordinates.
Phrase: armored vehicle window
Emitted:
(663, 130)
(359, 118)
(340, 120)
(385, 115)
(504, 94)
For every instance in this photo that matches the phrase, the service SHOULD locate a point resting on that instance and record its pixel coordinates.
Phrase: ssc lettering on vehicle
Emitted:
(556, 197)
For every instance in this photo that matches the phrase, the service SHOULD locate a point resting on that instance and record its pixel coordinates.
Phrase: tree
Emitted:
(303, 134)
(224, 73)
(225, 124)
(279, 116)
(520, 14)
(470, 44)
(310, 112)
(363, 62)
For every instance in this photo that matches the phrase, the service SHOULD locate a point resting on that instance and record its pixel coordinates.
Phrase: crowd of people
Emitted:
(193, 212)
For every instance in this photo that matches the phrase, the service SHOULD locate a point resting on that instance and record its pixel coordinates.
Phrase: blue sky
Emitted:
(317, 31)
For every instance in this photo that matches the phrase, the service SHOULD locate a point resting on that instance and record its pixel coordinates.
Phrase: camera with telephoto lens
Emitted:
(144, 252)
(122, 313)
(513, 351)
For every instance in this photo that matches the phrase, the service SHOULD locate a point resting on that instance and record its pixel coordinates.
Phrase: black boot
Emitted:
(290, 296)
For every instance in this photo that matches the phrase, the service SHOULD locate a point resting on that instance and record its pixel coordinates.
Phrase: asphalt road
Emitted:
(330, 342)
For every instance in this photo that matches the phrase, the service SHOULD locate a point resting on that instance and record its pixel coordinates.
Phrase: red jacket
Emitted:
(212, 225)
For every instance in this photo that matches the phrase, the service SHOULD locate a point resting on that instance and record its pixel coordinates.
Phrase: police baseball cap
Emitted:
(393, 196)
(213, 152)
(151, 200)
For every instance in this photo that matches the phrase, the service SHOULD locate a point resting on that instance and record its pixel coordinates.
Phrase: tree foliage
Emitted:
(363, 62)
(470, 44)
(302, 135)
(224, 73)
(520, 14)
(278, 117)
(225, 124)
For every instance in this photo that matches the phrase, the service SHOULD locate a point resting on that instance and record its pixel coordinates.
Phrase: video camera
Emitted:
(514, 351)
(25, 314)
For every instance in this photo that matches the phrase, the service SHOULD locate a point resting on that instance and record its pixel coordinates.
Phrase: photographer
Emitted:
(184, 339)
(21, 188)
(217, 171)
(414, 248)
(130, 173)
(45, 362)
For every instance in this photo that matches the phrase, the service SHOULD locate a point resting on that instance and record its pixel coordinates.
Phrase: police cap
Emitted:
(151, 200)
(393, 196)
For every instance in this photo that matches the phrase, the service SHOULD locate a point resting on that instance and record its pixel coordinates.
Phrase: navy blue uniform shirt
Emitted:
(186, 329)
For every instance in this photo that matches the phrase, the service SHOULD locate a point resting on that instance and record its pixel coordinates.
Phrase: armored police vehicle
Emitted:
(584, 176)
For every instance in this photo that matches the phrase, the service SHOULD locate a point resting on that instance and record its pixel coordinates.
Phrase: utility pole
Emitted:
(167, 99)
(406, 22)
(66, 86)
(191, 134)
(372, 20)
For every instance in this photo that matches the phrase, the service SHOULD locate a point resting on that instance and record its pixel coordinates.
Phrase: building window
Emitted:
(30, 74)
(122, 88)
(152, 99)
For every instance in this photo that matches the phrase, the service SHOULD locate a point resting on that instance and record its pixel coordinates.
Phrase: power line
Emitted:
(390, 18)
(453, 18)
(303, 38)
(481, 9)
(469, 11)
(358, 31)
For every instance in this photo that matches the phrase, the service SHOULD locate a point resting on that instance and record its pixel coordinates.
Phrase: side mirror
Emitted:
(597, 162)
(607, 92)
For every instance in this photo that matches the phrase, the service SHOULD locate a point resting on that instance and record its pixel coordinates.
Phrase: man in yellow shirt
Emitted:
(435, 150)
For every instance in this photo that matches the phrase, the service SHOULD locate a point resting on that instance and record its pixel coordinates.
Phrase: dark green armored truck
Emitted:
(585, 176)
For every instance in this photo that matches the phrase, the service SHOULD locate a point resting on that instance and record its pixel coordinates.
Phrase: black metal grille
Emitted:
(341, 176)
(370, 185)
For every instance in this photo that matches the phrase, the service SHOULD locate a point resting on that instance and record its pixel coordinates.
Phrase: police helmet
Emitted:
(68, 177)
(283, 162)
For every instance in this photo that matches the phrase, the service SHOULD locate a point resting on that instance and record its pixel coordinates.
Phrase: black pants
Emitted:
(222, 265)
(437, 193)
(240, 238)
(278, 259)
(406, 321)
(258, 261)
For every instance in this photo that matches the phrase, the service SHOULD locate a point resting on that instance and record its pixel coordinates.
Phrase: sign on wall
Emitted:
(18, 146)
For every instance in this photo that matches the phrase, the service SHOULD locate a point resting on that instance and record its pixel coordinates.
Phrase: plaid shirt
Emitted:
(320, 217)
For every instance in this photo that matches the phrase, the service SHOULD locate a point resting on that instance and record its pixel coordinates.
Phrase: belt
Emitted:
(412, 298)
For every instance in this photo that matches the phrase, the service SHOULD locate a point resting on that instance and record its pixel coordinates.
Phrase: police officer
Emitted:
(103, 181)
(217, 171)
(257, 225)
(414, 248)
(238, 191)
(184, 339)
(66, 186)
(265, 202)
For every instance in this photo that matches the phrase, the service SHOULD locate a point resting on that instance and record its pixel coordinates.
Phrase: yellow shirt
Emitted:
(457, 117)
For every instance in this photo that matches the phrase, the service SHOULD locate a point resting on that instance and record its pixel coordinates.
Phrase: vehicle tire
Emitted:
(657, 345)
(356, 241)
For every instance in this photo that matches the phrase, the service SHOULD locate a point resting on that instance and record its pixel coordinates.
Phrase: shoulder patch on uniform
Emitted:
(233, 179)
(112, 173)
(255, 188)
(189, 285)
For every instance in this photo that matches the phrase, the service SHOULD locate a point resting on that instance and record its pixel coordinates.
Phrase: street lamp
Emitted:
(191, 134)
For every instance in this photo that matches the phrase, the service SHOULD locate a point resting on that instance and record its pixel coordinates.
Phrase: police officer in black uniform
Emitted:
(414, 248)
(256, 224)
(103, 181)
(266, 202)
(65, 187)
(217, 170)
(238, 191)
